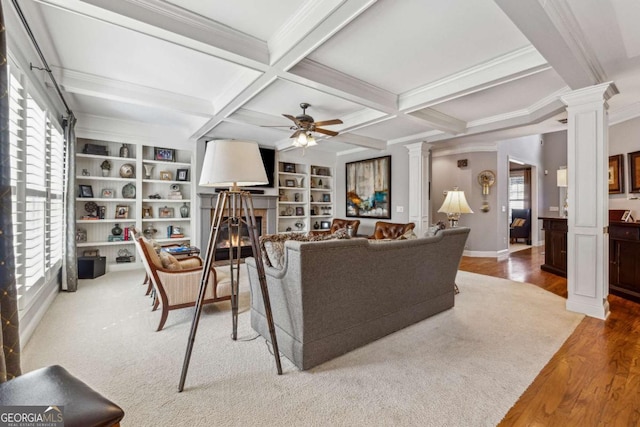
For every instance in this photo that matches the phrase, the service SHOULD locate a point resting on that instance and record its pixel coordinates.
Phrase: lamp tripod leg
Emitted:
(221, 202)
(253, 237)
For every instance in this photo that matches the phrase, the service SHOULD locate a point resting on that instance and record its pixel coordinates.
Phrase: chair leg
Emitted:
(147, 281)
(163, 318)
(156, 303)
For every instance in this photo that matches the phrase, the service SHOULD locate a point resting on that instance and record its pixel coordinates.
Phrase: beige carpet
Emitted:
(464, 367)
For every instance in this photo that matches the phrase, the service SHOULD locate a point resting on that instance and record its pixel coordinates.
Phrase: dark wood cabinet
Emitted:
(555, 245)
(624, 260)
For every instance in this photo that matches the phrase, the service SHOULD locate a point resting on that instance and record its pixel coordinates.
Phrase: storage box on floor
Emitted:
(90, 267)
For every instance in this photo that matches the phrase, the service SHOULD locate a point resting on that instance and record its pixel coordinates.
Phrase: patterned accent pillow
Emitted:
(433, 230)
(169, 261)
(518, 222)
(272, 245)
(408, 235)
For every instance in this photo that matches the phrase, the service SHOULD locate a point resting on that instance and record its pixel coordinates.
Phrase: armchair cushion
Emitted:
(151, 253)
(169, 261)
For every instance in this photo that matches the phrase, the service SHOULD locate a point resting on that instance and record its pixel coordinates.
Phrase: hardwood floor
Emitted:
(594, 378)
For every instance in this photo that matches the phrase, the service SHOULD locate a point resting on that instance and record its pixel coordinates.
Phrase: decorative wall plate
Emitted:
(129, 191)
(127, 171)
(91, 207)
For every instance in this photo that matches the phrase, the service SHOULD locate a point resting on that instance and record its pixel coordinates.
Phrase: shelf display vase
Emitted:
(116, 230)
(184, 210)
(124, 151)
(148, 170)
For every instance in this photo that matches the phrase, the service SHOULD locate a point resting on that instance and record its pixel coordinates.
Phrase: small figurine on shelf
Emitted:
(124, 150)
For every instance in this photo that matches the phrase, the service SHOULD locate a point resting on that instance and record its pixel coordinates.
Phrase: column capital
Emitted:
(587, 95)
(419, 147)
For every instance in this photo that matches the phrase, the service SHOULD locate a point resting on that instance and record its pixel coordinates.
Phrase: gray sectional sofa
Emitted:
(333, 296)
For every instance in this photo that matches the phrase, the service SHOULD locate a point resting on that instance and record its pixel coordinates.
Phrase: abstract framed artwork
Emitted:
(634, 171)
(616, 174)
(368, 188)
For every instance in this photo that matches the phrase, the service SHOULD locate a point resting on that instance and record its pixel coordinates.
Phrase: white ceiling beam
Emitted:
(100, 87)
(440, 121)
(328, 80)
(361, 141)
(512, 66)
(299, 25)
(332, 23)
(164, 21)
(553, 29)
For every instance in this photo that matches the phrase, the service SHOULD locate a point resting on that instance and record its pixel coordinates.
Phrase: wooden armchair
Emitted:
(389, 230)
(178, 286)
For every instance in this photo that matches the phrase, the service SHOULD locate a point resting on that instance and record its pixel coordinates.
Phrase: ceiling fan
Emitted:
(305, 126)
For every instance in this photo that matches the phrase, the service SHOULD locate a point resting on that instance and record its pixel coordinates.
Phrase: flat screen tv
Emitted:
(269, 161)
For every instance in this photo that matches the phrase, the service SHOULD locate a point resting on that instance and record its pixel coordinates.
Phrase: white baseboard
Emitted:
(487, 254)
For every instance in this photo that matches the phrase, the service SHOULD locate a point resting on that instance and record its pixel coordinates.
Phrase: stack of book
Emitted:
(175, 195)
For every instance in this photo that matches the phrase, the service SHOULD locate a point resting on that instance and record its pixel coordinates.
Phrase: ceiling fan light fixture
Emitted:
(311, 141)
(301, 140)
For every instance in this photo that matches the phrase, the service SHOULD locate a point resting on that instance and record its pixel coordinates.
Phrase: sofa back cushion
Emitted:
(272, 245)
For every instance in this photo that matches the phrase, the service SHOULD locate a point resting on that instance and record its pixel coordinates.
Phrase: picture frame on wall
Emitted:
(368, 188)
(634, 171)
(164, 154)
(616, 174)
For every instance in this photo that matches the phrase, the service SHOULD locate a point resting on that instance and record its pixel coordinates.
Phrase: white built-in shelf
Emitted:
(105, 221)
(166, 200)
(101, 157)
(164, 181)
(103, 199)
(104, 178)
(165, 219)
(164, 163)
(102, 243)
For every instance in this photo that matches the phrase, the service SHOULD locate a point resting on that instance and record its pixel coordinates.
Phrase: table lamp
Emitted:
(232, 163)
(455, 204)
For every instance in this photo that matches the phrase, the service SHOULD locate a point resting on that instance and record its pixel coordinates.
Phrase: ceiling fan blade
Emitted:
(329, 122)
(326, 132)
(293, 119)
(295, 134)
(280, 126)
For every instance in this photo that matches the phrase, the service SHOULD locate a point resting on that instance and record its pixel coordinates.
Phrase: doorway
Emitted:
(522, 212)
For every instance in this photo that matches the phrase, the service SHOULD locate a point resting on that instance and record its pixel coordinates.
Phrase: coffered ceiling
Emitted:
(395, 72)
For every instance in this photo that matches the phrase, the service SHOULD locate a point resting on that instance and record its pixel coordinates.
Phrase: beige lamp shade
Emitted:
(455, 203)
(230, 162)
(562, 177)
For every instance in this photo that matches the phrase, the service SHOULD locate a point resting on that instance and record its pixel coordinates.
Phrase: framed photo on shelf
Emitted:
(289, 182)
(165, 175)
(165, 212)
(289, 167)
(122, 212)
(86, 191)
(634, 171)
(164, 154)
(147, 212)
(626, 217)
(368, 188)
(326, 197)
(325, 225)
(299, 211)
(182, 175)
(108, 193)
(616, 174)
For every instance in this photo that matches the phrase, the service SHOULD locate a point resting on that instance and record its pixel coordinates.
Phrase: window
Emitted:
(518, 198)
(37, 184)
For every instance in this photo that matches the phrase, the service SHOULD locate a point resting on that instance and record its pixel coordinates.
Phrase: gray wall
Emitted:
(624, 138)
(554, 155)
(399, 184)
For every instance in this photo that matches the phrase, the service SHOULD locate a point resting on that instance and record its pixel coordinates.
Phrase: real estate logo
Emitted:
(31, 416)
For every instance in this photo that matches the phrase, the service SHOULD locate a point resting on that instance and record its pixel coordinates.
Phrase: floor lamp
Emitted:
(232, 163)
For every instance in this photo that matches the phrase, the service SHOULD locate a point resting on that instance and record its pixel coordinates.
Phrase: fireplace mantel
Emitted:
(207, 202)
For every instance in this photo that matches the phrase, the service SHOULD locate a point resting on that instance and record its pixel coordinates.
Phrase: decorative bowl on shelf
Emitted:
(127, 171)
(129, 191)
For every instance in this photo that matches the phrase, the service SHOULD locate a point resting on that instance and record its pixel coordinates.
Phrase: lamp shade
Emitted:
(229, 162)
(455, 202)
(562, 177)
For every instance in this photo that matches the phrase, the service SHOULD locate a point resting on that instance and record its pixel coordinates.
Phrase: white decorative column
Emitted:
(588, 201)
(419, 168)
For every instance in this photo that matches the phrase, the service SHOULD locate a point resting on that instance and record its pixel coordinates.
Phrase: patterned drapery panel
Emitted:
(10, 337)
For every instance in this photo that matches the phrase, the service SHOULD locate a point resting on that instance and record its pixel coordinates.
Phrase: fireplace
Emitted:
(222, 245)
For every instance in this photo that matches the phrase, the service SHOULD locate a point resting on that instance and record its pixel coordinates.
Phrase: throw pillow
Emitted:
(518, 222)
(433, 230)
(169, 261)
(408, 235)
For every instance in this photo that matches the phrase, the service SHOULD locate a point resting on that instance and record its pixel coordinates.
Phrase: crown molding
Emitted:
(623, 114)
(511, 66)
